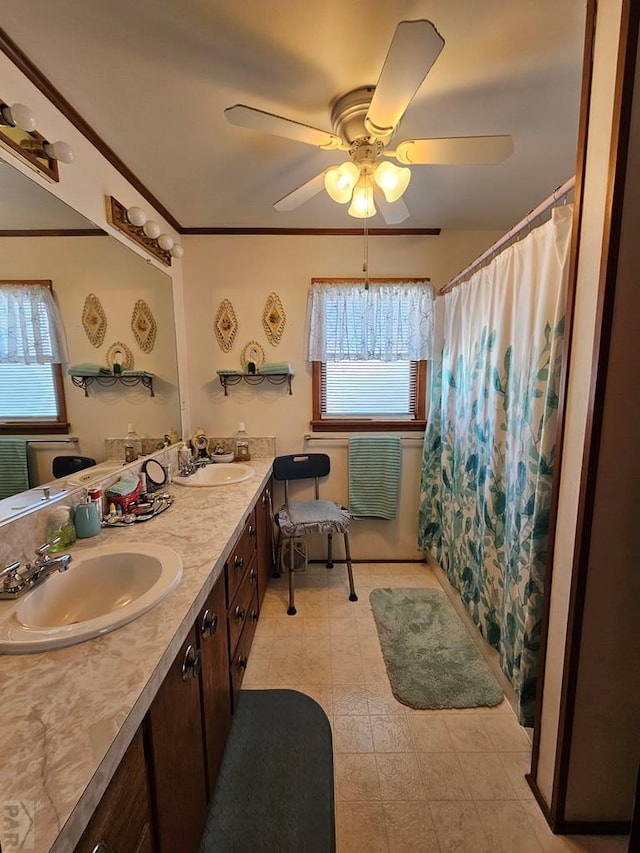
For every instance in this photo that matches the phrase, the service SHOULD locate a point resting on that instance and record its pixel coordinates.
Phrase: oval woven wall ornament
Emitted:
(273, 319)
(143, 326)
(119, 356)
(94, 320)
(226, 325)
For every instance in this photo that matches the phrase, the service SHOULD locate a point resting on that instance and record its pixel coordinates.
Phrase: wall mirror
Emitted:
(41, 237)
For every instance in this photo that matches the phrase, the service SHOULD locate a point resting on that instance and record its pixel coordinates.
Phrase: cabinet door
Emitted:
(214, 675)
(121, 823)
(264, 523)
(175, 737)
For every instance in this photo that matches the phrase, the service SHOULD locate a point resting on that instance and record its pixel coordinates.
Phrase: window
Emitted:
(31, 339)
(369, 347)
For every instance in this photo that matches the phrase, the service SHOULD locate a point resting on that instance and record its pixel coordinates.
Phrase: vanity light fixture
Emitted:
(18, 135)
(133, 222)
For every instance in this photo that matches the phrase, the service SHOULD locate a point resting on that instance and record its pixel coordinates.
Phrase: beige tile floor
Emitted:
(406, 781)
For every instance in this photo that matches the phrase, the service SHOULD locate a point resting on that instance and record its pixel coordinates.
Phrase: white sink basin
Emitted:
(222, 474)
(104, 588)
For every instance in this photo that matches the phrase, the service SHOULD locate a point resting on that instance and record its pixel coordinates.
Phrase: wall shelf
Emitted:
(128, 380)
(227, 379)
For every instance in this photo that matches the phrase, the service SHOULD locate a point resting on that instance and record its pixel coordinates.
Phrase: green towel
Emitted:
(374, 475)
(86, 369)
(136, 373)
(124, 486)
(14, 471)
(229, 372)
(276, 367)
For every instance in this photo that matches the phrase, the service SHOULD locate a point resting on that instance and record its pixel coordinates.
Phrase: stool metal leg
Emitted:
(329, 563)
(347, 551)
(276, 566)
(292, 605)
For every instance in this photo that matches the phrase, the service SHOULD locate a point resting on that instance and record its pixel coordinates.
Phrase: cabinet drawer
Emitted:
(241, 605)
(240, 657)
(240, 557)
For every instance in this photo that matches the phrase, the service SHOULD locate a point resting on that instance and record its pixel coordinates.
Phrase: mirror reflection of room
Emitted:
(91, 264)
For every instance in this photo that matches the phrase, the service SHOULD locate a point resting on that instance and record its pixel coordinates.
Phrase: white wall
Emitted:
(78, 266)
(245, 270)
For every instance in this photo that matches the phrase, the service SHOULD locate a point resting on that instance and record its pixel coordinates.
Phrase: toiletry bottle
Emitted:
(184, 457)
(132, 445)
(241, 453)
(62, 529)
(87, 519)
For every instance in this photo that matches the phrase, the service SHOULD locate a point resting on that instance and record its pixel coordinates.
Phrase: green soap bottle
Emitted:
(62, 528)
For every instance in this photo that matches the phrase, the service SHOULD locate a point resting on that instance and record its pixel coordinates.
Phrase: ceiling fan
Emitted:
(364, 122)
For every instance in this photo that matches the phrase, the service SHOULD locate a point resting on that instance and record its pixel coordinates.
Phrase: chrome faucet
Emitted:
(15, 579)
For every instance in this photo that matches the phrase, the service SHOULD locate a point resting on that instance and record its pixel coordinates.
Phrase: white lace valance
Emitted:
(31, 330)
(382, 322)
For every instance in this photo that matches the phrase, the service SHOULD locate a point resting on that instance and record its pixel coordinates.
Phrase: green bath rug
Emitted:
(274, 793)
(431, 660)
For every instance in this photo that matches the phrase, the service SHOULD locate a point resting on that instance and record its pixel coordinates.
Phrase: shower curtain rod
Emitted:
(541, 208)
(309, 437)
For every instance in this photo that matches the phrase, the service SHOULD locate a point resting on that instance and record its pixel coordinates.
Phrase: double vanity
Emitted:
(116, 740)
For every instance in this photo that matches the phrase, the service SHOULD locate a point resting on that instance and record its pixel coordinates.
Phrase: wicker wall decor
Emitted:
(143, 326)
(273, 319)
(94, 320)
(226, 325)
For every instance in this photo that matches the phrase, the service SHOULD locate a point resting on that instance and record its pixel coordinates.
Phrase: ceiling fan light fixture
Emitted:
(362, 206)
(392, 180)
(339, 181)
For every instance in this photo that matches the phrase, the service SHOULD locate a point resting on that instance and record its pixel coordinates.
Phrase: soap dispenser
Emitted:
(241, 453)
(132, 445)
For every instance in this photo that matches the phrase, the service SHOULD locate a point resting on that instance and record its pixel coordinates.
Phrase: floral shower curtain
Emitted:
(490, 443)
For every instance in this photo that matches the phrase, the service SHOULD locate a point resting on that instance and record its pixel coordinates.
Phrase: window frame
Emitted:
(324, 424)
(59, 426)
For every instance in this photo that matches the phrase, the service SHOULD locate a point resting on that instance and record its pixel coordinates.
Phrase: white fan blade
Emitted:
(303, 193)
(254, 119)
(454, 150)
(393, 212)
(413, 50)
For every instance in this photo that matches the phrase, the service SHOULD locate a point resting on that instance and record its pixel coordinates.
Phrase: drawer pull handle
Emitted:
(238, 562)
(251, 530)
(242, 663)
(100, 847)
(254, 615)
(209, 623)
(252, 576)
(239, 613)
(191, 663)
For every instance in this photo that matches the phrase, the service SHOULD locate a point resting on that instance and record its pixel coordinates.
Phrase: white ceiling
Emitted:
(152, 78)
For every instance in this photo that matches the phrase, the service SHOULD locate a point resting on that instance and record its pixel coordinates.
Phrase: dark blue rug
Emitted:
(274, 793)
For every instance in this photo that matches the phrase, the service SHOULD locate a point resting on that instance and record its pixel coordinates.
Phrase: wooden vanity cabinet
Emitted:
(122, 820)
(213, 643)
(264, 524)
(157, 799)
(176, 755)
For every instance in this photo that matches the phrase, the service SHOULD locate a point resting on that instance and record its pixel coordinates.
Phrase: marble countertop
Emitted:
(68, 715)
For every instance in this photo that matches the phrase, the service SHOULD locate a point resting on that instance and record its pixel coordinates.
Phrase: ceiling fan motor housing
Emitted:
(348, 114)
